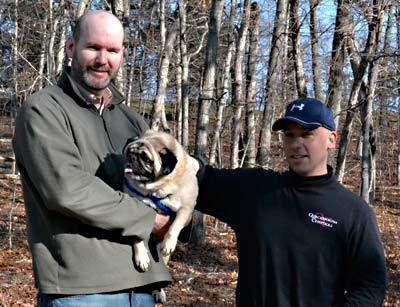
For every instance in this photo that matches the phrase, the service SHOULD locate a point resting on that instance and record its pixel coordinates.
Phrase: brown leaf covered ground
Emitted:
(204, 276)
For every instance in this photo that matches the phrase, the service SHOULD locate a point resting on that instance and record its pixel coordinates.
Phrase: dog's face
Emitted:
(148, 159)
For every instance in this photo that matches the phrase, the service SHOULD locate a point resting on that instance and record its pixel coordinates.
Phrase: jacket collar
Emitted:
(72, 88)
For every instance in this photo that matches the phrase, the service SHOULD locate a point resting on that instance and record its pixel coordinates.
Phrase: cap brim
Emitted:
(282, 122)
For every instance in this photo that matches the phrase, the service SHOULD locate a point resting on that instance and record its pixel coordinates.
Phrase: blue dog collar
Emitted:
(157, 201)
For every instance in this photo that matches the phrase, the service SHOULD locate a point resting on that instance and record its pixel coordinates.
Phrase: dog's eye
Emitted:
(145, 158)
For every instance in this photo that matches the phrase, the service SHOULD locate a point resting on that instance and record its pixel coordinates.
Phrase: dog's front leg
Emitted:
(142, 258)
(171, 237)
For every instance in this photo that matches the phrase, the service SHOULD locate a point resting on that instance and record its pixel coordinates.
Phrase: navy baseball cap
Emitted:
(307, 112)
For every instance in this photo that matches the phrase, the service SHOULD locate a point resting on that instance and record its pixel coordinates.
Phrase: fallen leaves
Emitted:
(204, 275)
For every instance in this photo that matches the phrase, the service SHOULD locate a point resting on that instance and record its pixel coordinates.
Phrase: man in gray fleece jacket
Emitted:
(68, 144)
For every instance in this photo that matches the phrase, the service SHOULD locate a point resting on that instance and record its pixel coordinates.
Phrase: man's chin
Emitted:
(300, 170)
(97, 86)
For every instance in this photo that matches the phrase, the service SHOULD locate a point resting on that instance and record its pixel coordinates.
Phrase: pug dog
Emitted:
(163, 175)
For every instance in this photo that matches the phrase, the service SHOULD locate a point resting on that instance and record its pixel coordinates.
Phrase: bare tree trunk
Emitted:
(119, 9)
(61, 44)
(178, 110)
(162, 82)
(370, 48)
(133, 42)
(15, 52)
(159, 106)
(53, 24)
(82, 7)
(163, 30)
(185, 73)
(273, 69)
(144, 39)
(316, 69)
(384, 95)
(207, 91)
(294, 29)
(343, 27)
(369, 148)
(398, 91)
(367, 130)
(251, 86)
(398, 163)
(355, 60)
(140, 81)
(216, 140)
(398, 149)
(237, 97)
(42, 56)
(185, 61)
(131, 74)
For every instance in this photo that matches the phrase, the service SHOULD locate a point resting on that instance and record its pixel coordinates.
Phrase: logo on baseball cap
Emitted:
(307, 112)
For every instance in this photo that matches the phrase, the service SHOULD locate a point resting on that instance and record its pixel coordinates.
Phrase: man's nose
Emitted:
(297, 141)
(101, 57)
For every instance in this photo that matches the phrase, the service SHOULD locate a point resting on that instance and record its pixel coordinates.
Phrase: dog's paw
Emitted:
(142, 258)
(143, 262)
(160, 296)
(168, 246)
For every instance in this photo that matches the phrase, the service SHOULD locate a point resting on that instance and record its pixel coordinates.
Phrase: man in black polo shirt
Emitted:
(303, 239)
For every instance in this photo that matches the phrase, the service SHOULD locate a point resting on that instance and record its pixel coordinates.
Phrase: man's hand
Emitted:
(161, 225)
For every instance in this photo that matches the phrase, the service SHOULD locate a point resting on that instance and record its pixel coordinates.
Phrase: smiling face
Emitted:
(98, 52)
(306, 151)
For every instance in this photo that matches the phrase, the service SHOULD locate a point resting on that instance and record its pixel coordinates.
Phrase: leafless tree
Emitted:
(223, 94)
(278, 38)
(316, 67)
(237, 84)
(294, 28)
(185, 58)
(343, 26)
(250, 135)
(82, 8)
(374, 24)
(207, 89)
(159, 117)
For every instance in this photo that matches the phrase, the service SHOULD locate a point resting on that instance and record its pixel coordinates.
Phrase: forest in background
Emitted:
(224, 70)
(217, 73)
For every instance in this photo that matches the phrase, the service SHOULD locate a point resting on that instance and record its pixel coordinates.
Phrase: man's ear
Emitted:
(69, 46)
(332, 139)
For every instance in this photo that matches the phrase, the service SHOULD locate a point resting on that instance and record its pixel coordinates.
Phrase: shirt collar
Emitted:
(297, 180)
(88, 96)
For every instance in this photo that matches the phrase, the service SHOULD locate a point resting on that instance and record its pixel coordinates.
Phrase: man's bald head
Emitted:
(96, 16)
(96, 50)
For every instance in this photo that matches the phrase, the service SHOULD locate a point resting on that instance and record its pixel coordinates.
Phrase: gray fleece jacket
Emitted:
(80, 226)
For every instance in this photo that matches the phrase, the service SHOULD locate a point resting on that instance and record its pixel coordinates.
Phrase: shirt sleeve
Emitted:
(366, 263)
(222, 192)
(54, 175)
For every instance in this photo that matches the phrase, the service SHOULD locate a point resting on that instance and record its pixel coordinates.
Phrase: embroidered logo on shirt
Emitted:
(323, 221)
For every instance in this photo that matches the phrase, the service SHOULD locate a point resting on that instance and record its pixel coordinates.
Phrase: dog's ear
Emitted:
(128, 142)
(168, 161)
